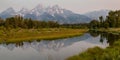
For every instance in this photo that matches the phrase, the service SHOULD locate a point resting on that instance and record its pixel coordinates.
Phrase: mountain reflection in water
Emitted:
(58, 49)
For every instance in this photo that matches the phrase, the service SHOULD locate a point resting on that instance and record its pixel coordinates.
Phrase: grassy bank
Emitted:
(18, 35)
(109, 30)
(96, 53)
(110, 53)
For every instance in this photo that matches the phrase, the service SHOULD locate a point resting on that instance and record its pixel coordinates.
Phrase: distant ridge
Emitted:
(97, 14)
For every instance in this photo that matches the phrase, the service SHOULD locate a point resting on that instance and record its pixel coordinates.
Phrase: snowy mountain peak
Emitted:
(7, 13)
(39, 6)
(56, 7)
(9, 10)
(38, 10)
(23, 10)
(54, 10)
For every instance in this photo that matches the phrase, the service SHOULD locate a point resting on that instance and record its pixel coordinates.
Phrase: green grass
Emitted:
(18, 35)
(110, 53)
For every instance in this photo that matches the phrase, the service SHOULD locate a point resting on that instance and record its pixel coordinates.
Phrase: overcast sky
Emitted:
(78, 6)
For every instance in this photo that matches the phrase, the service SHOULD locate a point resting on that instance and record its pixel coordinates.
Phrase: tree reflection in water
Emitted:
(111, 38)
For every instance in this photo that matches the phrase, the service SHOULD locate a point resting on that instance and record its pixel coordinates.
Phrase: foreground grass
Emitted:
(18, 35)
(110, 53)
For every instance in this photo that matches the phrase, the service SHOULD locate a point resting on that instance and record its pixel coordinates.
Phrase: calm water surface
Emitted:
(59, 49)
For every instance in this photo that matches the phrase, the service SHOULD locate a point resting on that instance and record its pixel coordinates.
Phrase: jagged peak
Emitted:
(10, 9)
(57, 6)
(39, 7)
(24, 9)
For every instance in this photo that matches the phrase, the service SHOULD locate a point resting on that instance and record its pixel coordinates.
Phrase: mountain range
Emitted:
(54, 13)
(97, 14)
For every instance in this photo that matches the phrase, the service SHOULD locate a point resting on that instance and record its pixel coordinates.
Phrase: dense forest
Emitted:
(20, 22)
(111, 21)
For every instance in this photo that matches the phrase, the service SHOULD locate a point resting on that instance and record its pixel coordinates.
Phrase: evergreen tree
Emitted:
(101, 21)
(94, 24)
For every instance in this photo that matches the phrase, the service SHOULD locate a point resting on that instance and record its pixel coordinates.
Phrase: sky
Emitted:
(77, 6)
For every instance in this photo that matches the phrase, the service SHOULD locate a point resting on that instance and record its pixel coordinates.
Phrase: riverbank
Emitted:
(19, 35)
(108, 30)
(110, 53)
(97, 53)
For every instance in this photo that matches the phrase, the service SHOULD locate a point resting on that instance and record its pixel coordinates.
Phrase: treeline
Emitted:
(111, 21)
(76, 26)
(20, 22)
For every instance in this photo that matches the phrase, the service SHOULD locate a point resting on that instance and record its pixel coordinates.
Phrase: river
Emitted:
(59, 49)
